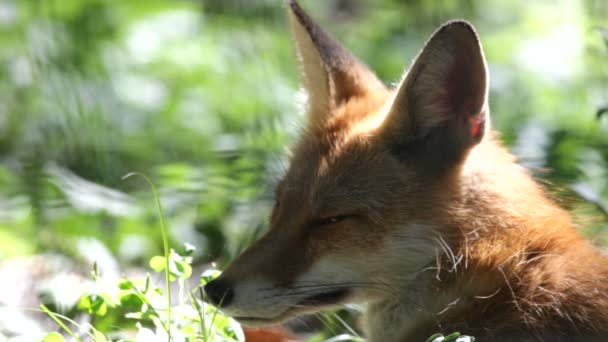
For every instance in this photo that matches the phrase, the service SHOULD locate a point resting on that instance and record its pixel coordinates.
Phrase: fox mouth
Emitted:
(254, 321)
(325, 298)
(306, 304)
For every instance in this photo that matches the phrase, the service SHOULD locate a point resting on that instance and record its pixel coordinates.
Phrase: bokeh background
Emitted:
(203, 97)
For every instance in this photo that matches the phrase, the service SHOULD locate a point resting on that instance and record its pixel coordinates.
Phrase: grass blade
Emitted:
(163, 228)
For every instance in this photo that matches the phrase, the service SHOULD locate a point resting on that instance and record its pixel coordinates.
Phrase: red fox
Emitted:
(405, 200)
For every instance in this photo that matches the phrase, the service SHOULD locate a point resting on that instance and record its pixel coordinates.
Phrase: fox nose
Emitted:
(219, 292)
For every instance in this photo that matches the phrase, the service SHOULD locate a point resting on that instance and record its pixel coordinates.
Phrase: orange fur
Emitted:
(404, 199)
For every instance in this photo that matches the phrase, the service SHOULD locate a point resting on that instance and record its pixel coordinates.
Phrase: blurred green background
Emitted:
(203, 97)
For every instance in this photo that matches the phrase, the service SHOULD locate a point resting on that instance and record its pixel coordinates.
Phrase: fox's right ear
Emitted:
(332, 75)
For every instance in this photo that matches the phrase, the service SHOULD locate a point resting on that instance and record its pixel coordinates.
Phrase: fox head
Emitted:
(370, 180)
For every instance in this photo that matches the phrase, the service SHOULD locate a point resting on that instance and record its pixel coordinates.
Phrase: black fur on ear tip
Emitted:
(459, 24)
(300, 14)
(294, 6)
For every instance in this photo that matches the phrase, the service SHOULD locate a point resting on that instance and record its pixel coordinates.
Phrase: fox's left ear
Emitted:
(440, 109)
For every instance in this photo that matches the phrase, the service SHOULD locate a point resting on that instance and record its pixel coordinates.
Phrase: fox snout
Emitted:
(256, 299)
(219, 292)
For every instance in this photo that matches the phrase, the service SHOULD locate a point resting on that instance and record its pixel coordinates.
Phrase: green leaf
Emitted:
(452, 337)
(53, 337)
(126, 284)
(147, 284)
(209, 275)
(179, 268)
(95, 272)
(435, 338)
(99, 337)
(189, 249)
(93, 304)
(157, 263)
(131, 301)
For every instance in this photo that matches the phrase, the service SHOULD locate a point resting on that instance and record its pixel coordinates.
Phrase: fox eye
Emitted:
(331, 220)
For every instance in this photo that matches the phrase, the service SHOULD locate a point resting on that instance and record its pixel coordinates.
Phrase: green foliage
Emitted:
(202, 96)
(455, 337)
(139, 303)
(139, 300)
(178, 267)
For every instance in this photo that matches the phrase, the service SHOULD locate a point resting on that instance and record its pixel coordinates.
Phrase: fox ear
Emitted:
(440, 108)
(332, 75)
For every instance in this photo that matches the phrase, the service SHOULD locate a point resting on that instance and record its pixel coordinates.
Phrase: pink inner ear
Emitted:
(476, 123)
(462, 88)
(464, 94)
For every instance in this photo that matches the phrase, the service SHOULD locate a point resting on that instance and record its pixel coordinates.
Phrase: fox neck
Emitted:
(509, 255)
